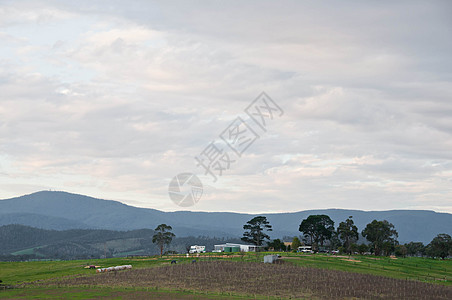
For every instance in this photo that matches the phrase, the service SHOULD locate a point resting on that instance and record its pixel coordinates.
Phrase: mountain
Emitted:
(61, 210)
(36, 220)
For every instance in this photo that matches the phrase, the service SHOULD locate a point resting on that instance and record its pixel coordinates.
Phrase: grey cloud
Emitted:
(119, 108)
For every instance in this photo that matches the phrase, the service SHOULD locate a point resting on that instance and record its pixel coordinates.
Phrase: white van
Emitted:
(305, 249)
(197, 249)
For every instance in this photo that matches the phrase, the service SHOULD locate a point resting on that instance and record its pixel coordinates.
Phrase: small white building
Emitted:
(231, 247)
(270, 259)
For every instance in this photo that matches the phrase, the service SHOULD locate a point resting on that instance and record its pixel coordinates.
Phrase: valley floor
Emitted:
(236, 275)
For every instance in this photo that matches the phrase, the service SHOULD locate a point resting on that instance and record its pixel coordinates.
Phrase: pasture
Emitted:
(232, 275)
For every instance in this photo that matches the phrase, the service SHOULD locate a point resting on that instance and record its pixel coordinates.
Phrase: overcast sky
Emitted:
(112, 99)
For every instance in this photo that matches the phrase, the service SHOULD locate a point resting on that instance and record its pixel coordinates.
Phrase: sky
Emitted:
(113, 99)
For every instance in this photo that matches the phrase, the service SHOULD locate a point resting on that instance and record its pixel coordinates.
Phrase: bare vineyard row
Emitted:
(282, 280)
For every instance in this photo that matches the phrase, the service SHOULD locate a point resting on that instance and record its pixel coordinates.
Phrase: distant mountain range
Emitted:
(61, 211)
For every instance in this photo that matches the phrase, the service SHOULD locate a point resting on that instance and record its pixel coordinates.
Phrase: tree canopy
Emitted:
(381, 234)
(318, 228)
(296, 243)
(277, 245)
(254, 231)
(440, 246)
(163, 236)
(348, 233)
(415, 248)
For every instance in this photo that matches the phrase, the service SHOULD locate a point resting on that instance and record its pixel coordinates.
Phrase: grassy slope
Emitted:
(414, 268)
(114, 293)
(19, 272)
(423, 269)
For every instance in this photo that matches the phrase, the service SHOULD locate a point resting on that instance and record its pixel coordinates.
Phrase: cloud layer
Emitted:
(113, 99)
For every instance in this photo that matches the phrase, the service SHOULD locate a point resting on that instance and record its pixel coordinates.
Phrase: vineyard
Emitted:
(233, 275)
(252, 278)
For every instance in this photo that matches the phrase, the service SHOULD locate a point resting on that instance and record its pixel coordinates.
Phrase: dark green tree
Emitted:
(381, 234)
(163, 236)
(296, 243)
(400, 250)
(353, 248)
(440, 246)
(363, 248)
(318, 228)
(388, 247)
(254, 231)
(348, 233)
(415, 249)
(277, 245)
(335, 241)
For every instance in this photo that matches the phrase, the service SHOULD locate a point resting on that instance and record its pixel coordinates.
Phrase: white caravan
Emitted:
(197, 249)
(305, 249)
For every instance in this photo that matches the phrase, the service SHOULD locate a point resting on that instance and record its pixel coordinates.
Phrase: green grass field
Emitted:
(13, 273)
(114, 293)
(412, 268)
(23, 273)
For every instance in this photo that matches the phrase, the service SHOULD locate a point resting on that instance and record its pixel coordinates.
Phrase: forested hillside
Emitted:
(20, 242)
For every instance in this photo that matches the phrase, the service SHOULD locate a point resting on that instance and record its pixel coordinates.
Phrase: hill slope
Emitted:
(20, 240)
(61, 210)
(37, 220)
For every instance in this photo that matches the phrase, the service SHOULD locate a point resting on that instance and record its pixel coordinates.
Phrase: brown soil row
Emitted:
(250, 278)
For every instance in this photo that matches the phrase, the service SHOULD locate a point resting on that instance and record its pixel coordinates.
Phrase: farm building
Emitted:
(288, 244)
(230, 247)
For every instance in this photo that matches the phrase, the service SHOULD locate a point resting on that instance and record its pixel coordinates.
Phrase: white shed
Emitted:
(242, 247)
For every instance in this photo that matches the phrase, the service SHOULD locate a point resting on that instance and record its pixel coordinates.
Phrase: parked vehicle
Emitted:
(305, 249)
(197, 249)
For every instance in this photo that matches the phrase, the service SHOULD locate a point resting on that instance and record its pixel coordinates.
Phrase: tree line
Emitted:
(319, 232)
